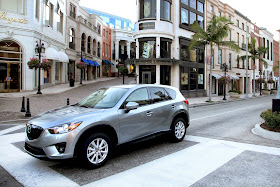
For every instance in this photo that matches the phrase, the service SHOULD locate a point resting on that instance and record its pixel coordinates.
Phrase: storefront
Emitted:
(10, 66)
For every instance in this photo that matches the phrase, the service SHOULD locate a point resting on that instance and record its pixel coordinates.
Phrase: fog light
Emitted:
(61, 147)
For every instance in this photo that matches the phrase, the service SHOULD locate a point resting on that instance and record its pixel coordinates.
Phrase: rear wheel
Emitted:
(96, 150)
(178, 130)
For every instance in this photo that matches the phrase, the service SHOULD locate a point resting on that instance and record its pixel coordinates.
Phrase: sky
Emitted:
(263, 13)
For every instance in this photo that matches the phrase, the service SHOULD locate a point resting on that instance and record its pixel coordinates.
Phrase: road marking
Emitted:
(248, 147)
(11, 129)
(27, 170)
(226, 112)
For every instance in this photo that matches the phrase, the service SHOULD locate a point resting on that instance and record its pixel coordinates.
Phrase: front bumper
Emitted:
(46, 145)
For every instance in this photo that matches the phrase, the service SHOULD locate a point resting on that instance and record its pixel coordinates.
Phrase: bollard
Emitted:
(27, 114)
(22, 105)
(68, 103)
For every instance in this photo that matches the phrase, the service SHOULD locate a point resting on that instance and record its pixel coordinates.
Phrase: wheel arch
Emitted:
(106, 129)
(181, 114)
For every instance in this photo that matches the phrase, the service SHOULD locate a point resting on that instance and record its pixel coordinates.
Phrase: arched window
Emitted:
(88, 45)
(98, 49)
(83, 42)
(72, 39)
(94, 47)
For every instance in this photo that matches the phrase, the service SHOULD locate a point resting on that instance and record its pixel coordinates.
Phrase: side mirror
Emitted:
(131, 106)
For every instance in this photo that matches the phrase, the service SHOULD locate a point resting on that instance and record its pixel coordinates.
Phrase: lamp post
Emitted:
(82, 48)
(225, 66)
(38, 50)
(247, 62)
(260, 73)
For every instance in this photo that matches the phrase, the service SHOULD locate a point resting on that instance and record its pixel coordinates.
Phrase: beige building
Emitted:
(224, 55)
(83, 39)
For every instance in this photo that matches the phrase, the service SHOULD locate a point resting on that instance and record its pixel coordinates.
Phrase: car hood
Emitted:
(63, 115)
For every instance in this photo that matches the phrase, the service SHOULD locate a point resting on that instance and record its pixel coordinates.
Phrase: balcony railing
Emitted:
(71, 45)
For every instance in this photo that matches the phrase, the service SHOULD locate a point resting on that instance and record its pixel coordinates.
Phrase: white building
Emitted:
(22, 25)
(162, 36)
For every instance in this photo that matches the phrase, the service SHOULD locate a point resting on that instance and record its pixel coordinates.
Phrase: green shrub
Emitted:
(235, 91)
(272, 119)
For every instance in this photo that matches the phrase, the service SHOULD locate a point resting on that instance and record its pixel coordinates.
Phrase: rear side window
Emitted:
(139, 96)
(171, 93)
(158, 95)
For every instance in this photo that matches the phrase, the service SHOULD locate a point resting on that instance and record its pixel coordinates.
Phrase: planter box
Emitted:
(274, 91)
(265, 92)
(234, 95)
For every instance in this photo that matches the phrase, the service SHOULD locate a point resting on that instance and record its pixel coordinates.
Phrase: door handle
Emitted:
(173, 106)
(149, 113)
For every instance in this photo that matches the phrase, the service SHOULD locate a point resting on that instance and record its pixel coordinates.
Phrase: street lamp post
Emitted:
(225, 66)
(38, 50)
(81, 68)
(260, 73)
(247, 62)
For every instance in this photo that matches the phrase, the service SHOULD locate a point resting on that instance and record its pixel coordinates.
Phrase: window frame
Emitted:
(148, 93)
(163, 7)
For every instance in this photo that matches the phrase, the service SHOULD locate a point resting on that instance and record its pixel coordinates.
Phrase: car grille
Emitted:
(34, 150)
(33, 132)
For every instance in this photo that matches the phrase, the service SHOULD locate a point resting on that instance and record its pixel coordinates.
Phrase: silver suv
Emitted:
(108, 117)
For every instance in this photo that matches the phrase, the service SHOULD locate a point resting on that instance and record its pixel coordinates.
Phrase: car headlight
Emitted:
(64, 128)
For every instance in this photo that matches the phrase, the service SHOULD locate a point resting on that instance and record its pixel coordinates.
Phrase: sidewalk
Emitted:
(53, 89)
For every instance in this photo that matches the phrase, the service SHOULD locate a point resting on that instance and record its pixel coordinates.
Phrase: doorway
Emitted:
(146, 77)
(9, 77)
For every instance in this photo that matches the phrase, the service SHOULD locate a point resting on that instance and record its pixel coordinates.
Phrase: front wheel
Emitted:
(96, 150)
(178, 130)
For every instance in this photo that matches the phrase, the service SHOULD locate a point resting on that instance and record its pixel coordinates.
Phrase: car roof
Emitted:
(142, 85)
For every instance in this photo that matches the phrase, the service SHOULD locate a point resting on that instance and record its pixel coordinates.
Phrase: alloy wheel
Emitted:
(97, 151)
(179, 129)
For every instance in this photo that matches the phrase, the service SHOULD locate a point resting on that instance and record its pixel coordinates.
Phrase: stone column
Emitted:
(128, 49)
(117, 42)
(157, 74)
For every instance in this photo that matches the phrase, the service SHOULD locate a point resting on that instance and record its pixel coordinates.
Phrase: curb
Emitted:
(221, 102)
(257, 130)
(16, 121)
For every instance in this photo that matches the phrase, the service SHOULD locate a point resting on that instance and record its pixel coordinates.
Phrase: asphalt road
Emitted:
(219, 150)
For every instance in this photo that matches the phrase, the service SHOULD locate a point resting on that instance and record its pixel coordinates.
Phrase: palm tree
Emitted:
(255, 53)
(274, 69)
(216, 31)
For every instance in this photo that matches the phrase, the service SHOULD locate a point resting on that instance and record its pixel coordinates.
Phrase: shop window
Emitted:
(16, 6)
(200, 78)
(147, 48)
(193, 55)
(200, 55)
(165, 10)
(193, 78)
(165, 48)
(147, 9)
(184, 78)
(184, 53)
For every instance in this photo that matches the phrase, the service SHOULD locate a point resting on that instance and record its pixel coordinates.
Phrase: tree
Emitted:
(254, 54)
(274, 69)
(216, 31)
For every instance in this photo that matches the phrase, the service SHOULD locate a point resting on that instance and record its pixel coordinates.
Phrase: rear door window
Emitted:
(158, 95)
(171, 93)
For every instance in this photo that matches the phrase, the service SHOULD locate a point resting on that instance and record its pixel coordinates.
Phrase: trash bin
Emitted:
(72, 82)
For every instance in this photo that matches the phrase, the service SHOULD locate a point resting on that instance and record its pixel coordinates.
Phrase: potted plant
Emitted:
(46, 64)
(81, 65)
(270, 81)
(33, 63)
(274, 91)
(234, 93)
(265, 91)
(225, 79)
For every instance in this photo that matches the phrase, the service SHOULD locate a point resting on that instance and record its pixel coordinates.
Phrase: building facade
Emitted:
(162, 35)
(84, 42)
(106, 51)
(25, 24)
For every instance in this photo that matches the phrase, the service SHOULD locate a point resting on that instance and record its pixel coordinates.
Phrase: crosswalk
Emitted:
(182, 168)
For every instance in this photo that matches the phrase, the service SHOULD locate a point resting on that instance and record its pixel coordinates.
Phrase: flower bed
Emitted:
(271, 120)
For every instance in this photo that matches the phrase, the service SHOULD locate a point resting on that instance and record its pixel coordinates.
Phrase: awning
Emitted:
(234, 77)
(62, 57)
(96, 64)
(51, 54)
(217, 76)
(108, 62)
(85, 61)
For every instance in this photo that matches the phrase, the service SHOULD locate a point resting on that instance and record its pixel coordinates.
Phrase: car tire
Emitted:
(178, 130)
(96, 150)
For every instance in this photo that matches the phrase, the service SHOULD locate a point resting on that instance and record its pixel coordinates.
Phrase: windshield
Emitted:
(103, 98)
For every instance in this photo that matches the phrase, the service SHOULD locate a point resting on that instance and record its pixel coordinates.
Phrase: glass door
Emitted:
(9, 77)
(146, 78)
